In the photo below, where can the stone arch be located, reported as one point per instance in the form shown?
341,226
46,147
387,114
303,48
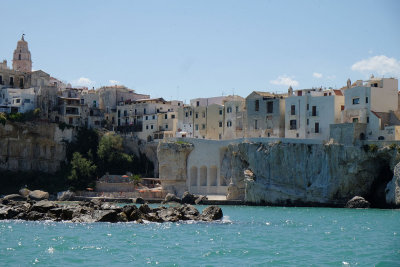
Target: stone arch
203,176
213,176
193,176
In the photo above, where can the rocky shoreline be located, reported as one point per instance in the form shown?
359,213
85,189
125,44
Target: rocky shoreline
98,211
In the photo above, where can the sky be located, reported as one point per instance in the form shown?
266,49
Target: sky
184,49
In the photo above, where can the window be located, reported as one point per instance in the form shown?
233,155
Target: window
257,105
355,120
197,115
154,117
166,116
19,56
366,100
270,107
173,116
151,127
186,114
204,114
342,107
293,125
197,103
166,126
237,109
367,119
125,113
308,121
229,110
308,106
144,111
1,79
356,101
147,117
119,113
229,124
220,124
27,101
316,127
190,113
12,81
18,100
255,124
147,127
220,136
314,111
203,126
292,110
220,112
196,126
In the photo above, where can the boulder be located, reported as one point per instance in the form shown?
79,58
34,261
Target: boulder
171,198
24,192
44,206
144,208
38,195
170,214
139,200
65,195
200,199
110,206
105,216
121,217
15,197
211,213
34,216
188,198
357,202
189,212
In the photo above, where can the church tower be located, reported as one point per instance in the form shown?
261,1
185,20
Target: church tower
22,57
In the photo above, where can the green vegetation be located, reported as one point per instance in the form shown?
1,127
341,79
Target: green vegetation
89,156
20,117
393,146
136,179
182,142
370,148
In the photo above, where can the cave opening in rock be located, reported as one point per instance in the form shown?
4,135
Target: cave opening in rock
377,195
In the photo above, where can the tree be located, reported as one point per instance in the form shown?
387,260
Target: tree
83,171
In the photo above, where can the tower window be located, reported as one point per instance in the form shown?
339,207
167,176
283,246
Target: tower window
19,56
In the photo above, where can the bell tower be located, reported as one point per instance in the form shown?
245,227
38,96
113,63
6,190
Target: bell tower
22,56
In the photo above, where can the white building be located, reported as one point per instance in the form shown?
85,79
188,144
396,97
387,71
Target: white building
374,102
17,100
309,113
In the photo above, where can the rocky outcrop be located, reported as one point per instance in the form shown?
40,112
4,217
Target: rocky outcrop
172,158
38,195
358,203
393,188
96,211
35,146
307,174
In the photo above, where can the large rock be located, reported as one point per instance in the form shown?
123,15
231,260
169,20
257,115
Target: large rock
211,213
24,192
65,195
44,206
15,197
188,198
357,202
38,195
171,198
393,188
139,200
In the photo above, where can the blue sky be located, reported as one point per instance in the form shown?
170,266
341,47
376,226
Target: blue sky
188,49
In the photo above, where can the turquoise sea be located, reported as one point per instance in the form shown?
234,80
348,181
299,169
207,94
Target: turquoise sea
264,236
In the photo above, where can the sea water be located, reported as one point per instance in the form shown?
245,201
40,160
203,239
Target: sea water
264,236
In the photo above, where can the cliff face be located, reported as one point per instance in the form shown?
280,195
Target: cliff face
32,146
279,173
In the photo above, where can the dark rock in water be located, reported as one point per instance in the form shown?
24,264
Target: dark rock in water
145,208
110,206
128,209
189,212
200,199
15,197
38,195
65,195
105,216
357,202
121,217
170,214
34,216
24,192
171,198
139,200
211,213
135,215
188,198
44,206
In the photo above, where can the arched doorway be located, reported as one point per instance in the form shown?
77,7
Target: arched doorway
203,176
213,176
193,176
